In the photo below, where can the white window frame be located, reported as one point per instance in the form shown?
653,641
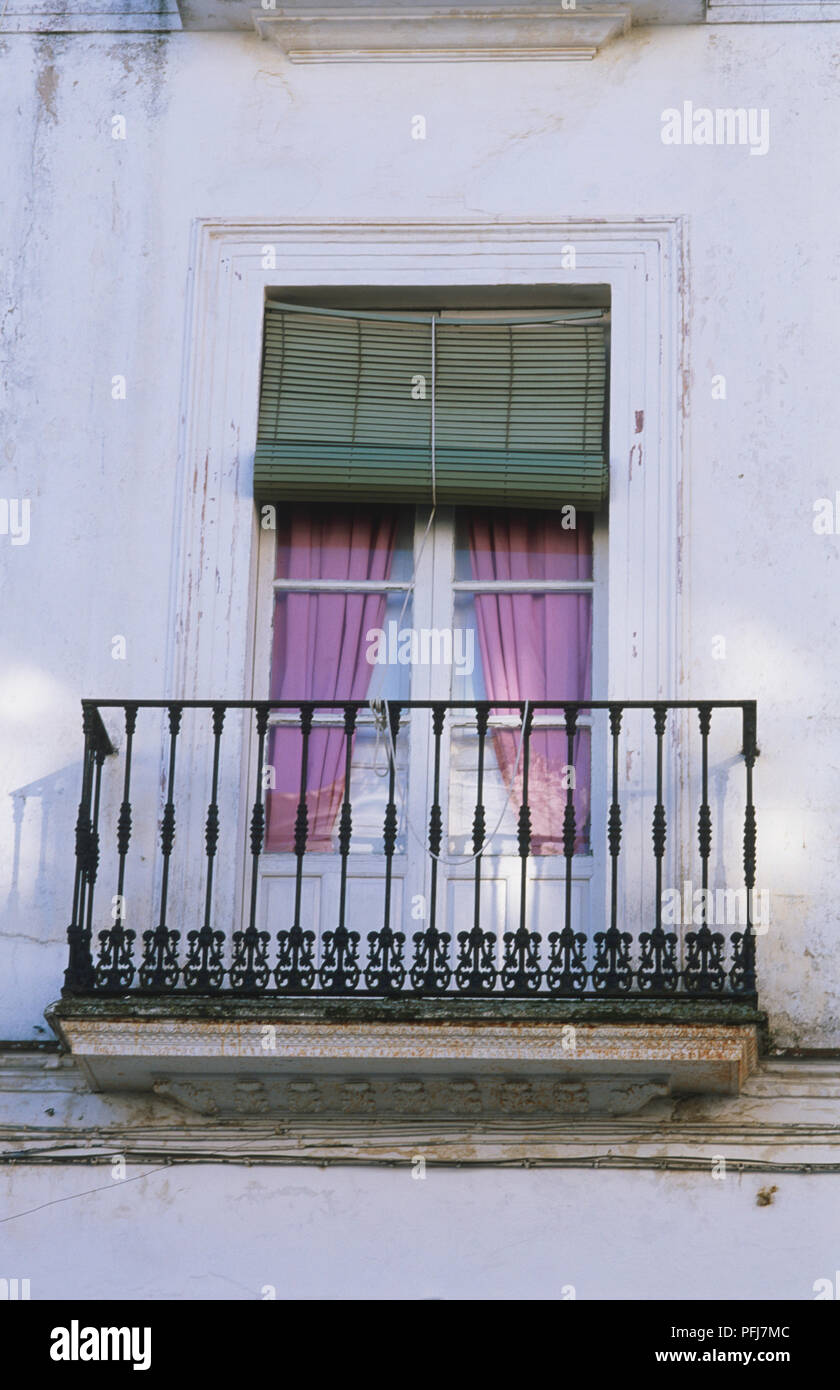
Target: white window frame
234,262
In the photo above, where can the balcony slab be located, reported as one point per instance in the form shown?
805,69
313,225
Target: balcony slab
221,1057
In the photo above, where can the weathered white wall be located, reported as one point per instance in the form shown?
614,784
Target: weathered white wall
94,266
208,1232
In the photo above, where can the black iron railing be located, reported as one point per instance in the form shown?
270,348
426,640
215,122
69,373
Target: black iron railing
296,959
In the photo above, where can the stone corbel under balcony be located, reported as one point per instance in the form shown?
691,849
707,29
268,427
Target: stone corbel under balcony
314,33
445,1058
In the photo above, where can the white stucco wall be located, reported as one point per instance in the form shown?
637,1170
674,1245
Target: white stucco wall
95,263
210,1232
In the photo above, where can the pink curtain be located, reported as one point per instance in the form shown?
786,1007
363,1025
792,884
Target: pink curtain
319,654
538,647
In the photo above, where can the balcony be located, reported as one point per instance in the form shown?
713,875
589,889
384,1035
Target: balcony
216,951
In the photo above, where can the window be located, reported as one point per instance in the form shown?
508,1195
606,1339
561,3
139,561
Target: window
367,602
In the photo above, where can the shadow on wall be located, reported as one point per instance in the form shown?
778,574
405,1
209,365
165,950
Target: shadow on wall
43,854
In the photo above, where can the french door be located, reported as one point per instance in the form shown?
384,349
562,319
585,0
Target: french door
448,606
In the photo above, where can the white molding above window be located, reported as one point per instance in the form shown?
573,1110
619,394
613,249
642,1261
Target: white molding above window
492,32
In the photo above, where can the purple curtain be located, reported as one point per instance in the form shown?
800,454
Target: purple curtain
538,647
319,654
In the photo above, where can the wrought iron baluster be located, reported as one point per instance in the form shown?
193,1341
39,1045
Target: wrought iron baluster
431,971
115,967
704,823
159,969
570,715
249,969
345,824
612,971
295,972
482,716
521,972
614,827
204,970
658,970
567,972
390,829
475,970
92,859
79,976
704,971
435,815
340,972
385,971
742,975
525,813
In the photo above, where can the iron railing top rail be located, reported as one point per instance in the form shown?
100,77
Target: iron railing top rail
494,703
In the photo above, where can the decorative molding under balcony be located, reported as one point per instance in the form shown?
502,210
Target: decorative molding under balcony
431,33
784,1120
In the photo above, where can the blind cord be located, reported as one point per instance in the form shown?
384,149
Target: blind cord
412,583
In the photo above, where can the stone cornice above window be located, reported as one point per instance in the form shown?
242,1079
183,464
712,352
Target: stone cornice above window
311,33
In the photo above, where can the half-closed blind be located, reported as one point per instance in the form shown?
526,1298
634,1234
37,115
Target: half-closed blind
346,410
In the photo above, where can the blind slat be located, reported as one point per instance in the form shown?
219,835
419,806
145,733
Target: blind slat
346,411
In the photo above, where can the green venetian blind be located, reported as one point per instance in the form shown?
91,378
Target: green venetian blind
404,408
